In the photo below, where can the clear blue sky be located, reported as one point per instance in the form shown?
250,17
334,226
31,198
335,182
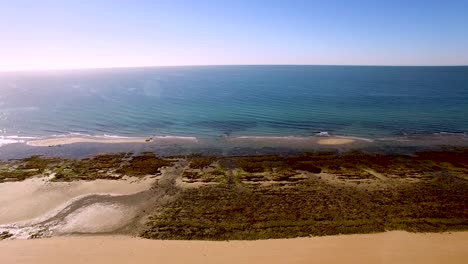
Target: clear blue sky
45,34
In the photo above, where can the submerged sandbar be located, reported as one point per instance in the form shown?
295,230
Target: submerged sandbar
57,141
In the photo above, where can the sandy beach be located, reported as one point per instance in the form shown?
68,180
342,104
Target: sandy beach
390,247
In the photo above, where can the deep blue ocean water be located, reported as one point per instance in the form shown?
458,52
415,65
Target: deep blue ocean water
220,101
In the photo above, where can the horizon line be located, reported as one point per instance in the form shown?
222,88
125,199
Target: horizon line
221,65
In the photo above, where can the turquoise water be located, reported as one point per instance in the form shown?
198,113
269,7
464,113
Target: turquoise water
231,101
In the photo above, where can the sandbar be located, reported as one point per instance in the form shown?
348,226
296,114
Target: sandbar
71,140
50,142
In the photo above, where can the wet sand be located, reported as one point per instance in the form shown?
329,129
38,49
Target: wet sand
390,247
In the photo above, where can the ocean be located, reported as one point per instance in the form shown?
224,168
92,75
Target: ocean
216,102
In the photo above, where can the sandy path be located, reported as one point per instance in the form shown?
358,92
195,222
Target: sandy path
390,247
21,201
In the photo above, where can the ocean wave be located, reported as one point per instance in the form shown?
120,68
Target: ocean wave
114,136
176,137
6,140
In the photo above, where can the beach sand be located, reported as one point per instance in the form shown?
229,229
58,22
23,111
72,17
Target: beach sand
390,247
335,141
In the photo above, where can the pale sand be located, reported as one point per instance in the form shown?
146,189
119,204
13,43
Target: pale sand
335,141
391,247
26,200
96,218
72,140
293,141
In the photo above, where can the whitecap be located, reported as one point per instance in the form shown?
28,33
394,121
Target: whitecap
322,134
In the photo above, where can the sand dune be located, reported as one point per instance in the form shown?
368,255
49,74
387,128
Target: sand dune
390,247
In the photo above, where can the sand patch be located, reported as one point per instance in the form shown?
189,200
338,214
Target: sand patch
390,247
29,199
335,141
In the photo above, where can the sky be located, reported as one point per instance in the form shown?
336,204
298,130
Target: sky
67,34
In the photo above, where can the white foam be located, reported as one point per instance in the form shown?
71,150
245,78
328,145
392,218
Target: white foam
114,136
20,137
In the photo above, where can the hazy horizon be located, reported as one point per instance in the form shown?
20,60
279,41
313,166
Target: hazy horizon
216,65
55,35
